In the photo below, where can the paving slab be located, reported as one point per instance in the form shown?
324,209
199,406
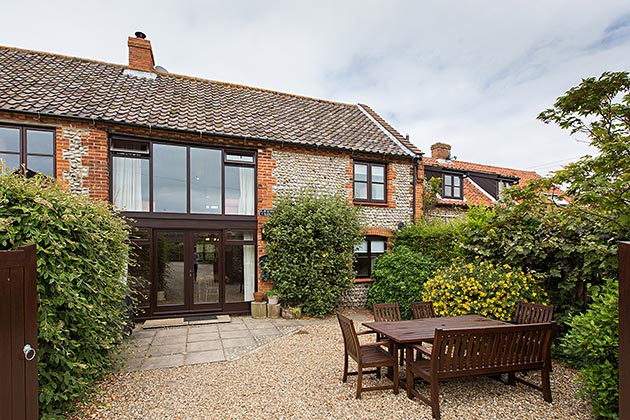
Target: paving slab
204,346
204,357
161,362
203,337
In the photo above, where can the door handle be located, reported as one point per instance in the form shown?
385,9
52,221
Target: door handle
29,352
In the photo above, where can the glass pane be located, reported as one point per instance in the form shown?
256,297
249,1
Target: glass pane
362,267
205,181
140,271
378,191
239,190
361,248
40,142
130,183
240,263
360,172
377,247
378,173
40,164
448,180
130,146
457,181
360,191
457,192
10,162
239,158
240,236
169,178
170,268
206,267
9,139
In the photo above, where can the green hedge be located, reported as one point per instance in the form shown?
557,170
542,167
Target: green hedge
81,261
399,276
592,345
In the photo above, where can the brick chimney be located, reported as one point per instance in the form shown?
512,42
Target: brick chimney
440,151
140,53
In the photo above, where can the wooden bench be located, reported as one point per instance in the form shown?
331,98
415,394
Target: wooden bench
489,351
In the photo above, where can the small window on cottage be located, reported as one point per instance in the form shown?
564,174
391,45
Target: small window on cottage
366,254
452,186
369,182
34,148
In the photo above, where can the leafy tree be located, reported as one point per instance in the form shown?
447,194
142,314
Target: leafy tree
310,244
436,239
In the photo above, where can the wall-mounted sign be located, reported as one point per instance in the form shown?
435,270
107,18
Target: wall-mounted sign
265,213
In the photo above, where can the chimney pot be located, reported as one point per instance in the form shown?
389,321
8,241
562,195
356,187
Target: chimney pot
441,151
140,53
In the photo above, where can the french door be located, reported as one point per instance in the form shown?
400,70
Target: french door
188,270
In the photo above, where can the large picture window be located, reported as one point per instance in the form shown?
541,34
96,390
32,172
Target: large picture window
34,148
166,178
366,254
369,182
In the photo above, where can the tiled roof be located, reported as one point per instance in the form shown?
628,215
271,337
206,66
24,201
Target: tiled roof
49,84
474,195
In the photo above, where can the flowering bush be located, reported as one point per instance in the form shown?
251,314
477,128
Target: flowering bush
481,288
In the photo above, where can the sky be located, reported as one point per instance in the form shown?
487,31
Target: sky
473,74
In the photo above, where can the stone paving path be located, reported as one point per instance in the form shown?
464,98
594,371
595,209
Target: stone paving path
158,348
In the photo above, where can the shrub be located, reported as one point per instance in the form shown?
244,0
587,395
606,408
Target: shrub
592,345
482,288
81,258
310,247
436,239
399,276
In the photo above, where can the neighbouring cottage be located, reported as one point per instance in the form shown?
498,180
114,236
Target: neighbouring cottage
465,184
197,165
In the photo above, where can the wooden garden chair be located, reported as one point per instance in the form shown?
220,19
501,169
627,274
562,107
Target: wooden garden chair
388,312
422,310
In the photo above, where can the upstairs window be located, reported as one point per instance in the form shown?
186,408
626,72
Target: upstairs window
369,182
366,254
34,148
452,186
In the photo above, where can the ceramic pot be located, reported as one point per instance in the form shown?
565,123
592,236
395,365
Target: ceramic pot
258,296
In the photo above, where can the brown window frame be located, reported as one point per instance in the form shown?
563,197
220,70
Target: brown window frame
369,182
451,195
148,155
370,255
23,152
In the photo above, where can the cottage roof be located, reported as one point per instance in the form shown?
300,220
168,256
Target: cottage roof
50,84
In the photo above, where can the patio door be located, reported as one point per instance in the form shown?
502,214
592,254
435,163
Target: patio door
188,270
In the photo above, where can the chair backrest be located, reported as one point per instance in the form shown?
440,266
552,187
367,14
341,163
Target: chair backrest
532,313
469,352
422,310
350,339
386,312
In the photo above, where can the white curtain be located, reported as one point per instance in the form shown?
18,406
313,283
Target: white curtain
128,184
246,201
249,265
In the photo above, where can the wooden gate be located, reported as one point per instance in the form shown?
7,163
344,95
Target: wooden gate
18,334
624,330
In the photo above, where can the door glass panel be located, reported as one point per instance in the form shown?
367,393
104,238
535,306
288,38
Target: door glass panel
206,267
140,271
170,268
205,181
240,267
39,142
169,178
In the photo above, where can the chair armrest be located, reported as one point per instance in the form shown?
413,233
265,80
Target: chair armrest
366,332
421,349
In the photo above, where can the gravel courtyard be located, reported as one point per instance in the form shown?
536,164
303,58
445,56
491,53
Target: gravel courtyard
299,377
